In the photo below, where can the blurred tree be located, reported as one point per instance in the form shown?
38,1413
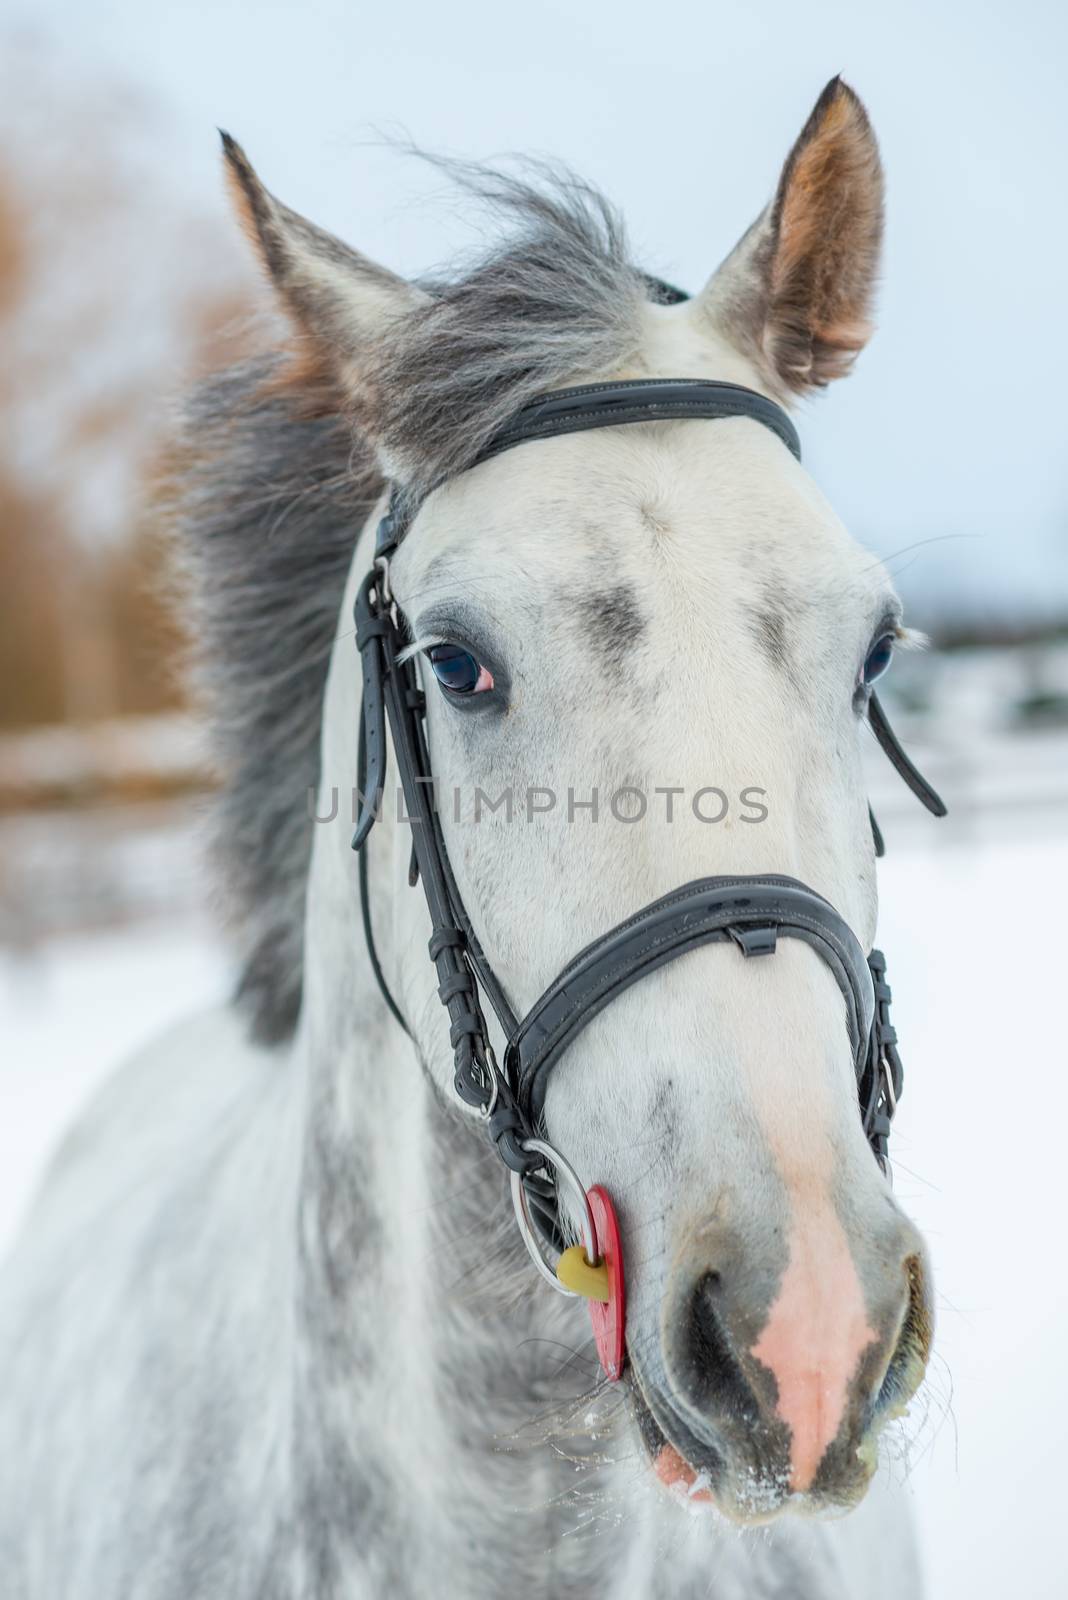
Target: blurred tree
32,546
111,294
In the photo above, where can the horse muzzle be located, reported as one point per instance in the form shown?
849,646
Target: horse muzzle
761,1408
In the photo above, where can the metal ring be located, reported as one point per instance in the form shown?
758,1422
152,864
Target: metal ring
529,1237
562,1169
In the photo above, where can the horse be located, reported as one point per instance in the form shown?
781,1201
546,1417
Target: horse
270,1330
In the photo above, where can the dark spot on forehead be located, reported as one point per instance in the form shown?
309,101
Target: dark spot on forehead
613,622
768,625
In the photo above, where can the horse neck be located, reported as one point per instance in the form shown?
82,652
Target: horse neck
365,1104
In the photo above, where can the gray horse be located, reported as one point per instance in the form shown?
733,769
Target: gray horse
269,1331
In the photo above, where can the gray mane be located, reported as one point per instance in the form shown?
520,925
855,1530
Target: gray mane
270,500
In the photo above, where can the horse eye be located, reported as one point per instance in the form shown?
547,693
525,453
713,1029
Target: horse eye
879,658
458,671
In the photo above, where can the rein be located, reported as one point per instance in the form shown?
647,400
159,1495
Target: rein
750,912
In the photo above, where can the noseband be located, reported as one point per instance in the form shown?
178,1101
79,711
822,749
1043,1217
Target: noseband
752,913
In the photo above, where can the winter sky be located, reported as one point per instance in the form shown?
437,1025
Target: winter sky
951,429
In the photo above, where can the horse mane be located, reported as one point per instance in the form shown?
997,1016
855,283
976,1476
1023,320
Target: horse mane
273,486
270,502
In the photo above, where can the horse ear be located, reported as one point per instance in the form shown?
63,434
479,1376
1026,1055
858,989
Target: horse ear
339,300
796,292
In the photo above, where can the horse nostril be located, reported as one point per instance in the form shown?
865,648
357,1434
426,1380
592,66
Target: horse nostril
716,1379
913,1348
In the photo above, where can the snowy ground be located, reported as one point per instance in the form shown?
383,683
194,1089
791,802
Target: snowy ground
974,938
973,926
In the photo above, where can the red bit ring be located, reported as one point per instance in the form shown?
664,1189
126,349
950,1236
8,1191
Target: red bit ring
609,1320
600,1229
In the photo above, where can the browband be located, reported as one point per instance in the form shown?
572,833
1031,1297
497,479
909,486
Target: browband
608,405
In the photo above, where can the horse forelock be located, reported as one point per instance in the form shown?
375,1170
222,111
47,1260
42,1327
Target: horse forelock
558,300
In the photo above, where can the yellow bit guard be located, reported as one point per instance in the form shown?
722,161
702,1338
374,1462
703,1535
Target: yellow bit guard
576,1274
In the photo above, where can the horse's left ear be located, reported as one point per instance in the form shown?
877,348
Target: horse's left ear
341,304
795,295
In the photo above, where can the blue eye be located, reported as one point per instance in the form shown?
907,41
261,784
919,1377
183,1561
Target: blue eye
457,670
879,658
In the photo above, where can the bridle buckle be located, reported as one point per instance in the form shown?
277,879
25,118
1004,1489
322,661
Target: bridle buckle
385,592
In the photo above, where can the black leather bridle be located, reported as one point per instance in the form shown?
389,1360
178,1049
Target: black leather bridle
753,913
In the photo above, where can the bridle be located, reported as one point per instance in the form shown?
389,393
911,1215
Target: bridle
752,913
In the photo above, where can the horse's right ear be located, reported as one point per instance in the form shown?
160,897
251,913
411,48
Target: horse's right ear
339,301
795,295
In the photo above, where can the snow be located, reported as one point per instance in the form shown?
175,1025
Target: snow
971,922
973,935
73,1008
